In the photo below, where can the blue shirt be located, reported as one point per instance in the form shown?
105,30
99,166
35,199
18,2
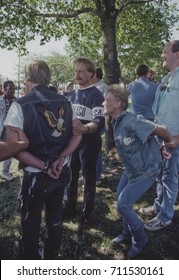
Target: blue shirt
87,104
166,105
138,149
142,93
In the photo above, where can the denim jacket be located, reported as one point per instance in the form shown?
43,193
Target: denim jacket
138,150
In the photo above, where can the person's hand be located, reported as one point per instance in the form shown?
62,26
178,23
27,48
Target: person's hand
173,143
56,168
166,154
78,127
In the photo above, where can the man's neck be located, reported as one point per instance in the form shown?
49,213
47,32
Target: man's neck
86,86
9,98
31,86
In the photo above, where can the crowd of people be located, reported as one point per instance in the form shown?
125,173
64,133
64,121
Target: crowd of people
56,136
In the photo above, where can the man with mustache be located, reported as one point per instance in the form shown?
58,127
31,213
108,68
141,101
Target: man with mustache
87,103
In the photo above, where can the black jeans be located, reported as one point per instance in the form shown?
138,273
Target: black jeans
39,190
85,158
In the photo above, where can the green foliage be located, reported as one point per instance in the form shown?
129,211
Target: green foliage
61,67
141,28
144,31
85,38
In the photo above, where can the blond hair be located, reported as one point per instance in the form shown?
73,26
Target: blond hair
90,66
120,94
38,72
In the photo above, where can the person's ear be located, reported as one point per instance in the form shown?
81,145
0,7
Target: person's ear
92,75
177,54
118,104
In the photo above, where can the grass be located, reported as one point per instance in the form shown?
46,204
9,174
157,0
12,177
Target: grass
95,242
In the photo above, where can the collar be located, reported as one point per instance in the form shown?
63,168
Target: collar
119,117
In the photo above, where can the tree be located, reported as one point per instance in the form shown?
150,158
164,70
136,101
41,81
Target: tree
60,65
96,18
61,68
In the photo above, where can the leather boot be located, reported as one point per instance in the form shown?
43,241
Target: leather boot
124,236
139,241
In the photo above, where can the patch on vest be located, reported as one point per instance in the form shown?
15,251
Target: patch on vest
127,141
53,122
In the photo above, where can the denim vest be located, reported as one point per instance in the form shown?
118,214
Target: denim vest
47,122
138,150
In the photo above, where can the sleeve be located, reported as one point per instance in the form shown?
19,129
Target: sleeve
143,128
98,109
15,116
73,112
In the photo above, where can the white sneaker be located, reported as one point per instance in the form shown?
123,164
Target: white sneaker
121,238
156,224
148,211
7,177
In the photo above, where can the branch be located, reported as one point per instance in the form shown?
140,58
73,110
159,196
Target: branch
74,14
124,4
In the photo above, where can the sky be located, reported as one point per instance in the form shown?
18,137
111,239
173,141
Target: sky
9,59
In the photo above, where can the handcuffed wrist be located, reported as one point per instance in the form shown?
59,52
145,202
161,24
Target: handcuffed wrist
46,167
61,156
162,146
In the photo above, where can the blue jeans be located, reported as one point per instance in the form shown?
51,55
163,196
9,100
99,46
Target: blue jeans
127,194
167,188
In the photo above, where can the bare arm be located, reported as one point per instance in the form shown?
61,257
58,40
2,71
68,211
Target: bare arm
11,148
57,166
29,159
170,141
162,132
23,156
8,150
79,128
72,145
173,143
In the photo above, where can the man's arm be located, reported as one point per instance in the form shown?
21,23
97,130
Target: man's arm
55,169
173,143
23,156
162,132
9,149
57,166
79,128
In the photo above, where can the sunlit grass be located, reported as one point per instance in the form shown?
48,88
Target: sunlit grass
95,242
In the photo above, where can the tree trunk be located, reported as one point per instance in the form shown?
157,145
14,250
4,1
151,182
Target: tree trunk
111,64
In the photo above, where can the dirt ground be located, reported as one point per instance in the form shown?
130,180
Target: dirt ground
95,242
